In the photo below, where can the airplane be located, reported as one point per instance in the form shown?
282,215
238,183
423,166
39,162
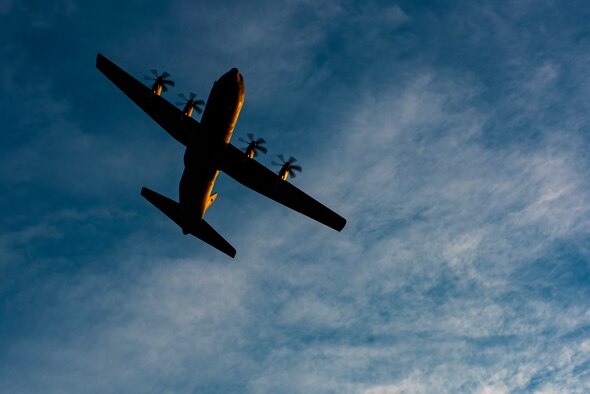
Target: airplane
208,151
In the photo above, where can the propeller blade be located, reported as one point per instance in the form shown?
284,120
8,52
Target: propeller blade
292,160
251,136
260,141
165,74
262,149
192,95
155,72
200,102
292,174
296,168
282,158
198,109
167,82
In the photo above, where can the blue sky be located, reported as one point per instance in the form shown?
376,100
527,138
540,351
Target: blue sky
452,135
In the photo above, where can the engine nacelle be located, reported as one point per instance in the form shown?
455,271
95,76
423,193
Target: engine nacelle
157,87
188,109
284,172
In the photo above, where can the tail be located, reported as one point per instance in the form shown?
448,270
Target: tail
199,228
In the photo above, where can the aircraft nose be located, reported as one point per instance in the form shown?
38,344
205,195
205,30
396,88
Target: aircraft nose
233,78
233,75
236,75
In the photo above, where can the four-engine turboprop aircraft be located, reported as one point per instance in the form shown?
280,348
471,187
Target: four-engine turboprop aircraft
208,151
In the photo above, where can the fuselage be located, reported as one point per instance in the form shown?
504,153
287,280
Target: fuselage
217,125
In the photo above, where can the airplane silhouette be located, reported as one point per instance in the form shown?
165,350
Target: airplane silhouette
208,151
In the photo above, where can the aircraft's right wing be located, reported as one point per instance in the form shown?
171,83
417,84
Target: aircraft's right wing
159,109
257,177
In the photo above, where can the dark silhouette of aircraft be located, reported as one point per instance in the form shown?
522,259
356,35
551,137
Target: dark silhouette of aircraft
208,151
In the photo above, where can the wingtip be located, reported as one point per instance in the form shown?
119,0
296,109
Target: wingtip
228,250
99,59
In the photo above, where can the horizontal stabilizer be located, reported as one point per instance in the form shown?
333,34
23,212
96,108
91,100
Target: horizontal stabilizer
201,230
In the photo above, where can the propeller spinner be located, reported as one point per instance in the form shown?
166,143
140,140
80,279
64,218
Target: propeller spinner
190,104
254,145
287,167
160,82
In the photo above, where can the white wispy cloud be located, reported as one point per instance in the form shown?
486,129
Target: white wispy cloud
396,298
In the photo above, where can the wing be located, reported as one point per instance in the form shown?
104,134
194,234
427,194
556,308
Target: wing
255,176
164,113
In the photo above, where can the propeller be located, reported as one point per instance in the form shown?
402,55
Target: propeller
254,145
190,103
160,79
287,167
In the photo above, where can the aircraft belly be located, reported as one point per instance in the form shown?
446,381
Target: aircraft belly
231,122
221,125
196,185
223,108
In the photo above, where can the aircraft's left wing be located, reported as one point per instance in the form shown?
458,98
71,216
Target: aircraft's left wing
164,113
255,176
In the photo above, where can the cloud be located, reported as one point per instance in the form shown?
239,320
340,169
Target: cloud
384,311
409,385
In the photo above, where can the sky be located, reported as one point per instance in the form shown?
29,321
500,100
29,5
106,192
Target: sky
452,135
